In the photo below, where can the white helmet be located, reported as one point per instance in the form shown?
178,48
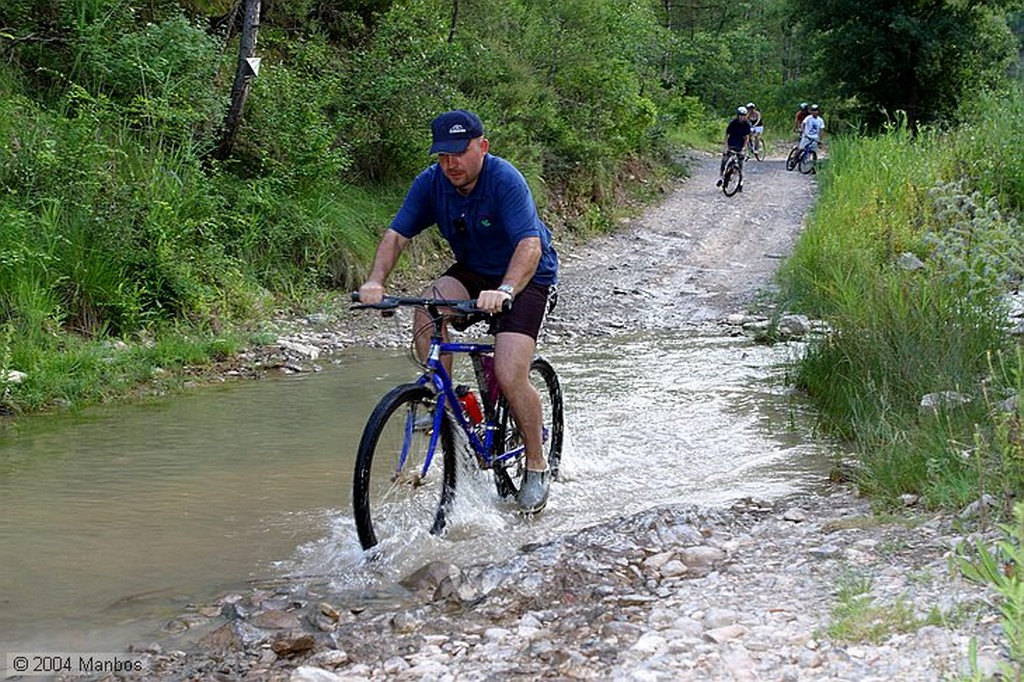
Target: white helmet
742,111
750,105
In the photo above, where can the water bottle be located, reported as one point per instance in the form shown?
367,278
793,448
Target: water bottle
470,405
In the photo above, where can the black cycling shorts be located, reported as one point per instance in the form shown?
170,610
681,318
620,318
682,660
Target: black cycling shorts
528,307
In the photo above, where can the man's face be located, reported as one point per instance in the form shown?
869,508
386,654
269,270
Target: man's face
462,170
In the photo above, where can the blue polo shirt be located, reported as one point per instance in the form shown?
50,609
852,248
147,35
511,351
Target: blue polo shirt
483,228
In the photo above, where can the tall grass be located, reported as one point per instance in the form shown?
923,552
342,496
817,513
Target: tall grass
903,331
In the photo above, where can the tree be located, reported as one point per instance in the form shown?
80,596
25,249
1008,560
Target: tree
918,56
243,74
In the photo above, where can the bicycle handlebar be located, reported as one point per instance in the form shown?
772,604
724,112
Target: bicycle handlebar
462,306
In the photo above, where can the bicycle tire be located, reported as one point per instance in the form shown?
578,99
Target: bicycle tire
808,162
391,495
733,179
793,158
509,472
758,148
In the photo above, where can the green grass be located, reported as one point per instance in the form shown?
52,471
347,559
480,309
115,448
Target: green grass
902,333
1000,565
858,617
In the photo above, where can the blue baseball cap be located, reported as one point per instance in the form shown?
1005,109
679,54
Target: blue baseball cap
453,130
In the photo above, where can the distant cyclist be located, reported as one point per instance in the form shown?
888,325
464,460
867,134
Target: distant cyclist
812,128
756,123
798,120
737,134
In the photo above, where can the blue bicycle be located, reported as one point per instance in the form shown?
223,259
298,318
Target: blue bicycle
805,158
400,484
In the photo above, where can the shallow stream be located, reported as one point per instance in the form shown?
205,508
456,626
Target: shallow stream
116,520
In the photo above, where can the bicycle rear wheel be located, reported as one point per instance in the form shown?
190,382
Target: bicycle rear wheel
793,158
732,180
405,475
509,469
807,163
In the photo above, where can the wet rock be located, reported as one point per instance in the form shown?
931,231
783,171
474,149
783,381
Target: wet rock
434,581
292,643
931,403
223,640
275,620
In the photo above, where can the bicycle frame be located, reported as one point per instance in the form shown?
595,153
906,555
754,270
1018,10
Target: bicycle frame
440,381
437,378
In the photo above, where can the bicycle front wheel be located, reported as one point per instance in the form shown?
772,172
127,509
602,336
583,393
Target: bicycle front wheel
793,158
405,474
732,180
807,163
510,459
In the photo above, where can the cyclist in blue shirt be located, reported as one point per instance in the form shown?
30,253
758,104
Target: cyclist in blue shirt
503,251
736,134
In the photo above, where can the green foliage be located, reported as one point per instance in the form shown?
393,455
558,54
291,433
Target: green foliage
881,57
1002,567
396,85
293,118
980,154
162,74
903,331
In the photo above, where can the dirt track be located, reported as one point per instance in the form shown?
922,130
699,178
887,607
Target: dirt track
697,256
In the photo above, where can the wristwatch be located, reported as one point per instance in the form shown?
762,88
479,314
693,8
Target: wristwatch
508,289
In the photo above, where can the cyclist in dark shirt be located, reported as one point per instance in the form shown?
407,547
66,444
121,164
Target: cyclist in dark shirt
736,134
503,251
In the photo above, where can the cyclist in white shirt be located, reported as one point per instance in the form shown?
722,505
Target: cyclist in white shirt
812,129
755,121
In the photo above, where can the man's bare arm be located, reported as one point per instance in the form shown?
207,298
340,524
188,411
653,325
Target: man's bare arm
519,273
390,248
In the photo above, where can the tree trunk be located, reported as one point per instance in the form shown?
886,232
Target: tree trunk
244,73
455,21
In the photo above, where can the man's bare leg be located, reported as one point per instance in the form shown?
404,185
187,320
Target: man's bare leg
513,353
445,288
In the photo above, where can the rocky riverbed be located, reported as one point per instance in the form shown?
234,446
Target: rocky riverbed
811,587
760,591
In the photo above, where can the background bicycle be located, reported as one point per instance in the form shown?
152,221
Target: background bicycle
423,436
805,158
755,145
